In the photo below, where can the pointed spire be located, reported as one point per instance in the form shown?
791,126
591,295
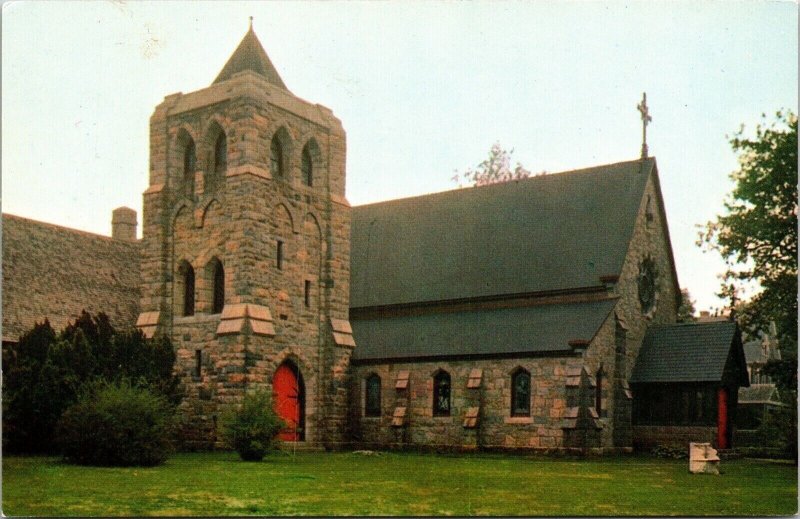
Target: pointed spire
250,55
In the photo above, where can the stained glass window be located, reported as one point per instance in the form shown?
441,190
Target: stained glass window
521,393
441,394
372,404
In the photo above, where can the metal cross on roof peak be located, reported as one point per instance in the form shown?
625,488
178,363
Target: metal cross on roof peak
646,119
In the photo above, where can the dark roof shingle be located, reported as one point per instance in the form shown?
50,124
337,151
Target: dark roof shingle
759,394
55,272
534,329
689,352
250,55
546,233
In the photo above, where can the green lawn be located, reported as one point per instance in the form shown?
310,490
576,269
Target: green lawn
397,484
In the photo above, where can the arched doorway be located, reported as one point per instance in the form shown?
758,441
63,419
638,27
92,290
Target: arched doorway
289,396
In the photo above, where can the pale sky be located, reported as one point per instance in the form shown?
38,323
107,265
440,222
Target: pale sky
422,89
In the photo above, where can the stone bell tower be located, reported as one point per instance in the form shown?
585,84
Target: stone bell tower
246,249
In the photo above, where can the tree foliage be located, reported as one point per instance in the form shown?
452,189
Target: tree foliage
45,372
686,310
758,239
250,428
117,424
496,168
759,232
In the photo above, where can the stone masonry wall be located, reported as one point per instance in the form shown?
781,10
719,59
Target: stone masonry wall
614,348
238,219
648,240
495,427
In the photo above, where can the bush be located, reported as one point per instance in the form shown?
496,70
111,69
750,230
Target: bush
670,452
116,424
45,372
250,428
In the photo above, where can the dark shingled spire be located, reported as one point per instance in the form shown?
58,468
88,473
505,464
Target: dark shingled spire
250,55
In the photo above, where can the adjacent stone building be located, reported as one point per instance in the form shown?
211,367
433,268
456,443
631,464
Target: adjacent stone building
523,303
504,316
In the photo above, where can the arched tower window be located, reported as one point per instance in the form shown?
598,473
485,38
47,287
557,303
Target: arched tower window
189,167
184,291
520,393
441,394
218,279
221,154
276,162
372,400
307,167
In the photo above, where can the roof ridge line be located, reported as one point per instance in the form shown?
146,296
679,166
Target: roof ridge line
69,229
508,182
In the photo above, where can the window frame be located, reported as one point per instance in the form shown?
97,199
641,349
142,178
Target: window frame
516,397
372,401
442,381
188,275
598,391
307,167
189,166
220,153
277,159
218,287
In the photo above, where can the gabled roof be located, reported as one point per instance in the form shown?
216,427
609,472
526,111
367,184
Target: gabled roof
250,55
691,352
502,331
55,272
759,394
546,233
755,354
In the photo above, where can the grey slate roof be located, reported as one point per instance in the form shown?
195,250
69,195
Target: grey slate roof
689,352
754,353
54,272
758,394
535,329
552,232
250,55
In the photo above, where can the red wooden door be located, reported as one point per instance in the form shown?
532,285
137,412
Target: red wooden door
287,394
722,418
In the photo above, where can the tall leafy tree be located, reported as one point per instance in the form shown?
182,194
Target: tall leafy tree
757,236
45,373
758,233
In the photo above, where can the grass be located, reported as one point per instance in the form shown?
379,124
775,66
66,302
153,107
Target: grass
397,484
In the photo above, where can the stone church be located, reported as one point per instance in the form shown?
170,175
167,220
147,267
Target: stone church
532,314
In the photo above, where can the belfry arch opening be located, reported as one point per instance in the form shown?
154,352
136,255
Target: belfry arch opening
289,401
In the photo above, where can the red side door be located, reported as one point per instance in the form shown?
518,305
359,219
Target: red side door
286,396
722,418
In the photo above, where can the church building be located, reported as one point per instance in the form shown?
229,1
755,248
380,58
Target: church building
532,314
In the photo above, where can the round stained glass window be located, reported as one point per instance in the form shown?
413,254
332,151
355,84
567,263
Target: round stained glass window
647,285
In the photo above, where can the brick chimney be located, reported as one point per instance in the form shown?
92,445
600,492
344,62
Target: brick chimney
123,224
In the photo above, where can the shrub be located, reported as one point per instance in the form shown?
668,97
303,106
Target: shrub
116,424
670,452
250,428
45,372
